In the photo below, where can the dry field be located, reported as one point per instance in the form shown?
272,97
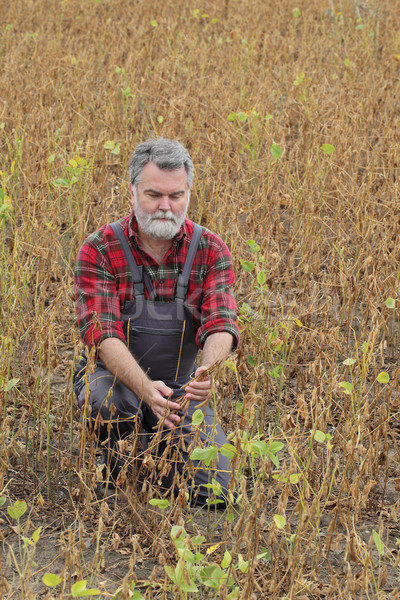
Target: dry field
291,111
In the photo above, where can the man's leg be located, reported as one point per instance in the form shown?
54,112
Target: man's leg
183,441
111,410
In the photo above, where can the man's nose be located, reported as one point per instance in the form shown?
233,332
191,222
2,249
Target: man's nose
164,203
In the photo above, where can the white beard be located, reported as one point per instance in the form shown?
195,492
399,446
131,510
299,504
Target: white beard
164,229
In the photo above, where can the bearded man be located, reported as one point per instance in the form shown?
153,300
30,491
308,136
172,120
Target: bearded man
151,290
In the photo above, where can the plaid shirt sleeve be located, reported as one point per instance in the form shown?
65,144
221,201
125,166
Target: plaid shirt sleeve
97,298
218,307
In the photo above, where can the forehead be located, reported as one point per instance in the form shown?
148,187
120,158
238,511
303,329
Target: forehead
163,180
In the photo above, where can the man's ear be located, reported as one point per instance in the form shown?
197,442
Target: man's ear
131,191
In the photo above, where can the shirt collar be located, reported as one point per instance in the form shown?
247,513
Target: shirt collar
133,231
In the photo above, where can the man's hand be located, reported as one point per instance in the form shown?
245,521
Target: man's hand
199,389
156,397
121,363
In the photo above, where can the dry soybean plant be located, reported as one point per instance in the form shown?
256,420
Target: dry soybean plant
291,114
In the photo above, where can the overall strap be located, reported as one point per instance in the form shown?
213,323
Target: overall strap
183,279
137,271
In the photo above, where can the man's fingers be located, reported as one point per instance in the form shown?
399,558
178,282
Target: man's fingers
172,405
162,388
200,385
201,371
171,420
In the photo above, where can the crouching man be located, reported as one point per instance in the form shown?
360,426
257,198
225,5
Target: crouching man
151,290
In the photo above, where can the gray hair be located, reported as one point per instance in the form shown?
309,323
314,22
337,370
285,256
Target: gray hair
165,154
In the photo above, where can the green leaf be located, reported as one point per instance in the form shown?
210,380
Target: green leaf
265,554
254,247
261,277
232,116
299,79
390,302
17,510
109,145
79,590
328,149
247,265
294,478
245,309
117,149
12,383
319,436
280,521
227,559
177,532
383,377
239,408
212,576
51,158
242,117
275,447
36,535
276,151
207,455
378,542
160,119
51,580
198,417
160,502
347,386
275,373
61,182
258,448
228,450
296,13
153,23
3,501
182,579
349,361
251,360
197,540
187,555
243,565
230,364
274,459
234,594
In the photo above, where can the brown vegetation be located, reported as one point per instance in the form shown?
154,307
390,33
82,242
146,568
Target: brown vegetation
291,116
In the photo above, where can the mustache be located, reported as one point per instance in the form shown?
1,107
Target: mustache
161,214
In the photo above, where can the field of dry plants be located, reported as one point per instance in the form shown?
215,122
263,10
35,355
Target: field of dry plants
291,112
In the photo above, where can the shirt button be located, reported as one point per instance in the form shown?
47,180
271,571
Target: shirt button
161,281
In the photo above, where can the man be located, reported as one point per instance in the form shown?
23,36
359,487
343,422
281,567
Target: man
151,290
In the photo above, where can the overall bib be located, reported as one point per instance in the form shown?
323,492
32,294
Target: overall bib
161,337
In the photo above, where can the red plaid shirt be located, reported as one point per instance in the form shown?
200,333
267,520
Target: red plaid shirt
103,282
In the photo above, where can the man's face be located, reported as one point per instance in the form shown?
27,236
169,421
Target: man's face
161,201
